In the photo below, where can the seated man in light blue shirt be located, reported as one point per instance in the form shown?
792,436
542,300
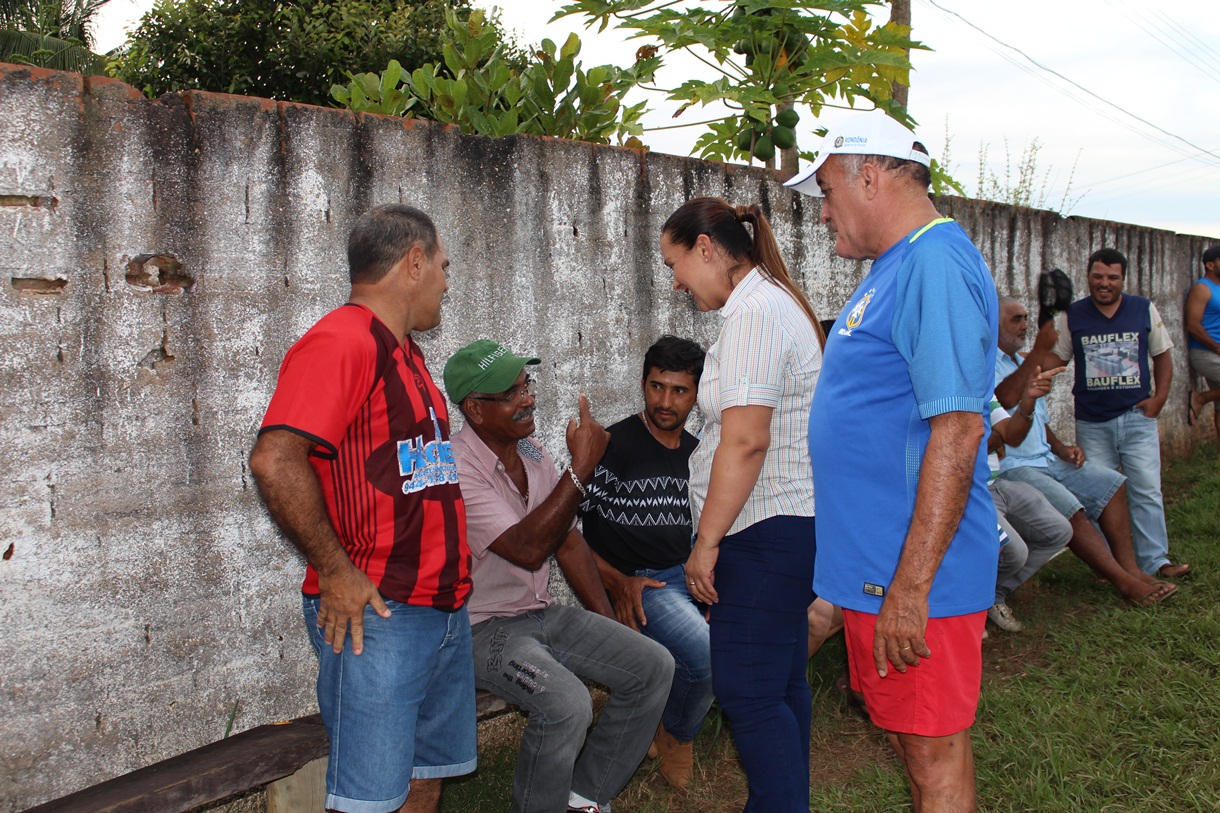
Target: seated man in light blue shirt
1078,490
1035,529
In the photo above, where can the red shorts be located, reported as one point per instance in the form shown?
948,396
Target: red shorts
935,699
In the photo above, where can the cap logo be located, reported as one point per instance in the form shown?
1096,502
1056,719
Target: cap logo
839,141
860,140
486,361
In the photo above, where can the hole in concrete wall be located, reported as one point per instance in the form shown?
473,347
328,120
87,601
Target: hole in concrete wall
32,201
159,273
8,552
155,357
34,285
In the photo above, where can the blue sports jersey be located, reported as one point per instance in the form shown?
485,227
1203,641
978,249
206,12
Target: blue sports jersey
917,339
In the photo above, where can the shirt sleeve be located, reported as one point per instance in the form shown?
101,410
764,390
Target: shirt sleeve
324,380
1158,338
488,513
942,331
998,413
1063,344
753,356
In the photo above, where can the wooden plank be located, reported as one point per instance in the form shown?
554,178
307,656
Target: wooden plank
251,759
303,792
247,760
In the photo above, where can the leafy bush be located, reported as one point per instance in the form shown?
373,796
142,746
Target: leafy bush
478,87
281,49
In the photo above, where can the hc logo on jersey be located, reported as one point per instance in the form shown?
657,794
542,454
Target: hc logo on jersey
426,464
856,316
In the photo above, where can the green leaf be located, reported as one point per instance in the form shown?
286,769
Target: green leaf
571,47
390,77
458,89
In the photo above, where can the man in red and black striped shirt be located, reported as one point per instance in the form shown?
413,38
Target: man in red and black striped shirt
354,462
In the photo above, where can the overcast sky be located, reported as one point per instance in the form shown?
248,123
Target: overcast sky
1132,120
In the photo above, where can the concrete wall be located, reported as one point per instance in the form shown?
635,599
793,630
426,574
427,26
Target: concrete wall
159,257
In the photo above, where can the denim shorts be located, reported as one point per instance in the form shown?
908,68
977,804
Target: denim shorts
1070,489
402,709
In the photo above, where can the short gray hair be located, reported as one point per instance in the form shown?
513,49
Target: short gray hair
902,168
383,235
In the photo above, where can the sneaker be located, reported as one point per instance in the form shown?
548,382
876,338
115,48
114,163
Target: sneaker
585,809
1002,617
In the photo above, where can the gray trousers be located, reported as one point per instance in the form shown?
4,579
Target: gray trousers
1036,532
536,661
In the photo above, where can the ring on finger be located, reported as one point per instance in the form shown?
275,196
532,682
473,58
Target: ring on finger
905,648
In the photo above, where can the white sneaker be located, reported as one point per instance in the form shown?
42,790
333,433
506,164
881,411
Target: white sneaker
1002,617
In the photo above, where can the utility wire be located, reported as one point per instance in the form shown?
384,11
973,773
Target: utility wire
1173,41
1133,173
1175,136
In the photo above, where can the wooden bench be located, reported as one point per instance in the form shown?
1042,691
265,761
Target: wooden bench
288,759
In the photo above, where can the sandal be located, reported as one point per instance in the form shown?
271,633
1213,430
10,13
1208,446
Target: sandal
1173,570
1159,594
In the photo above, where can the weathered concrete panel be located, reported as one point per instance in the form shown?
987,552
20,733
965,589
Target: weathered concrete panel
159,258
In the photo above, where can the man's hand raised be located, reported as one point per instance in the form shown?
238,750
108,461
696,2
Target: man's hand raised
586,441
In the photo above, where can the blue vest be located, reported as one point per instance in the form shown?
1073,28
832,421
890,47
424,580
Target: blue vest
1211,315
1111,355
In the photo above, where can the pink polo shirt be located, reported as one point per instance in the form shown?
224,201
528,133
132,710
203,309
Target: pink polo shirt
493,505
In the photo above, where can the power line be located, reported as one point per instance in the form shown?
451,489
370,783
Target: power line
1175,42
1175,136
1127,175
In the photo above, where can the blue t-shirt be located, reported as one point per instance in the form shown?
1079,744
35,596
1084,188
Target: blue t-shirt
917,339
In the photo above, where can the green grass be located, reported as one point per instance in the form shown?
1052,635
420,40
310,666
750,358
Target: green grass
1093,707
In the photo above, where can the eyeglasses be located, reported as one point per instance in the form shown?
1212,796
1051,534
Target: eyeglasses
529,388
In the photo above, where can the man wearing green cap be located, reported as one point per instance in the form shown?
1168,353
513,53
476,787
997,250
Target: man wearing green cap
527,649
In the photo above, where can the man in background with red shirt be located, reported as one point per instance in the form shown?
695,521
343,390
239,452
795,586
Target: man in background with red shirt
354,463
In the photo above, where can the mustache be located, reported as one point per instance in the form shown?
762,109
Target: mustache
525,412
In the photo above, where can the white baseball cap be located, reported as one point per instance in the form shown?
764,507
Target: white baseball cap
862,133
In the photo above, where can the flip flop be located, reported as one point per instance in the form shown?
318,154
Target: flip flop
1159,594
1173,570
1191,412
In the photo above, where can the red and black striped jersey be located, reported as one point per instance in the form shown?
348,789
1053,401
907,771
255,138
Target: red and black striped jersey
382,457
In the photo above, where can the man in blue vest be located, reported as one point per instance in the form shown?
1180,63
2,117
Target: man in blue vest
1123,371
1203,325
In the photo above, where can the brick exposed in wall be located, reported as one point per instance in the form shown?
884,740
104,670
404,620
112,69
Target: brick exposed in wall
183,245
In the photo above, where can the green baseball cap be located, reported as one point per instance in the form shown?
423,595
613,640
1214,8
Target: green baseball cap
482,366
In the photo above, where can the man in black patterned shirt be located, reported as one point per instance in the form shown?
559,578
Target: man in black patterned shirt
636,519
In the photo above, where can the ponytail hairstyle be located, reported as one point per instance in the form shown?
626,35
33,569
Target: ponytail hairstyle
725,225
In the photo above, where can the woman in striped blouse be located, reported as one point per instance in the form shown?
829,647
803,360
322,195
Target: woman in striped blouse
751,487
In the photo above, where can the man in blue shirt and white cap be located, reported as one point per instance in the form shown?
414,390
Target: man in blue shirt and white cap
907,540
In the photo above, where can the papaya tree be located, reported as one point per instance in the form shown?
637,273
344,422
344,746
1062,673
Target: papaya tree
767,61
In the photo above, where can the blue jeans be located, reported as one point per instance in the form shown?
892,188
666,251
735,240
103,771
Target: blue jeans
676,623
536,661
402,709
760,648
1131,443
